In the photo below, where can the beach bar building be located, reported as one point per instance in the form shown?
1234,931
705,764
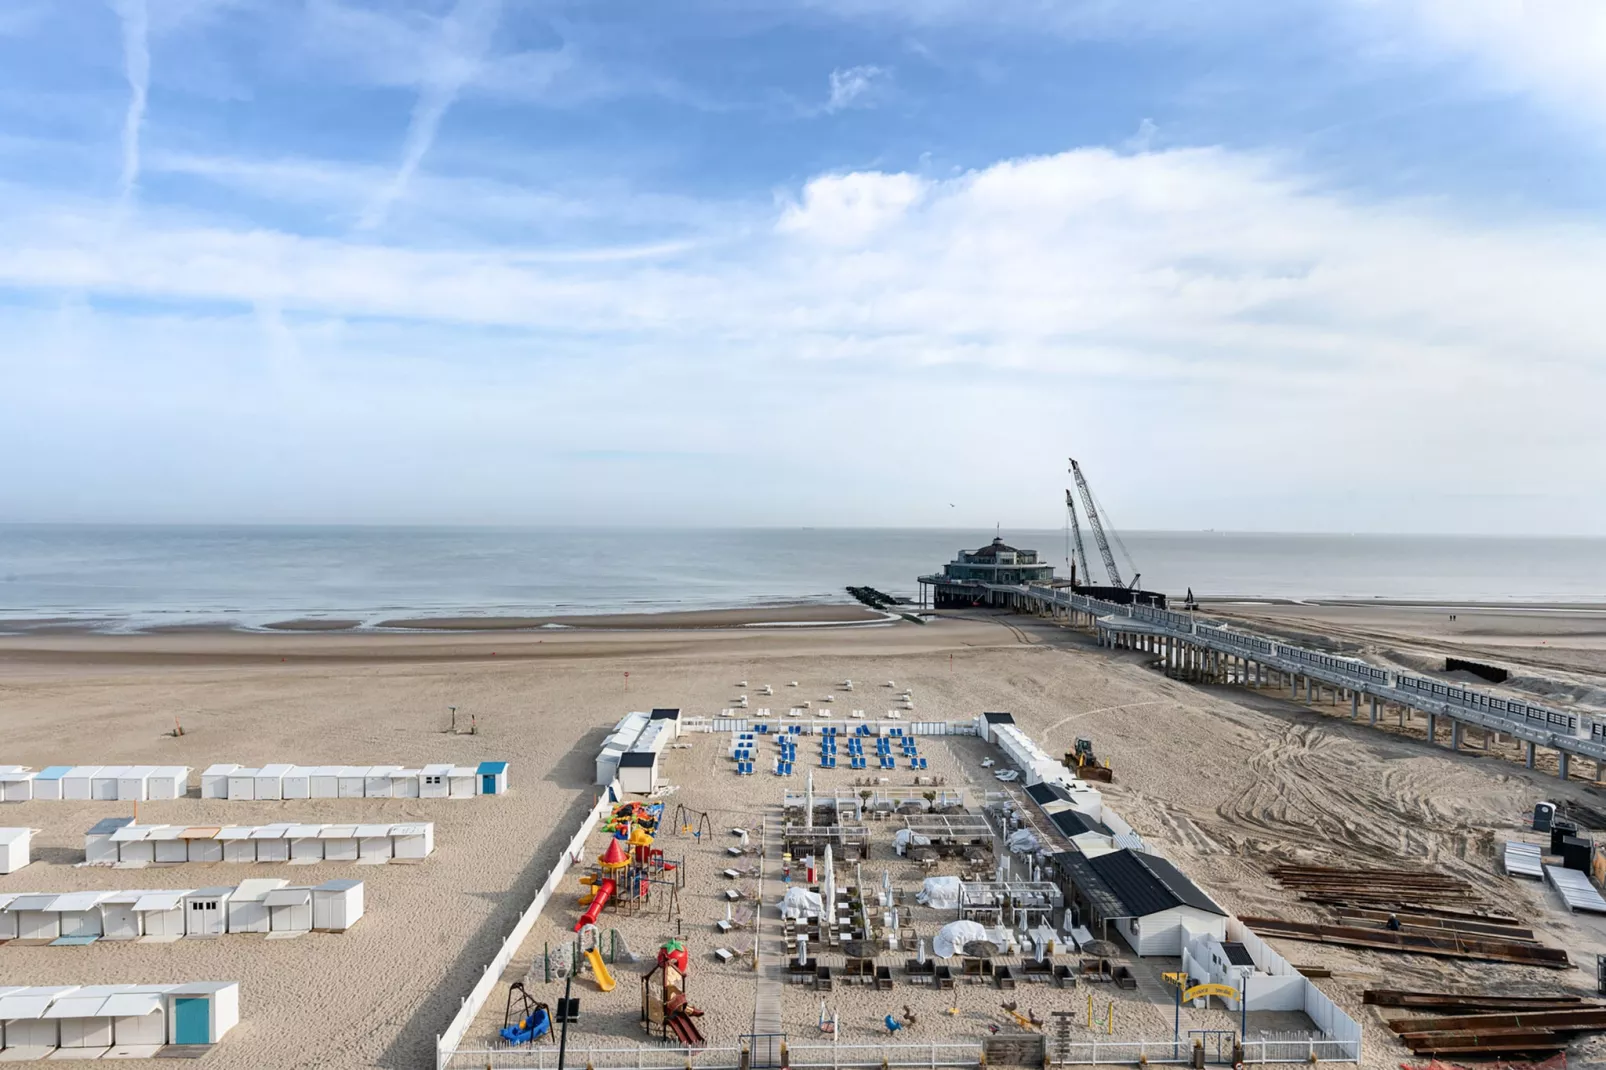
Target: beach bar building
14,849
1146,899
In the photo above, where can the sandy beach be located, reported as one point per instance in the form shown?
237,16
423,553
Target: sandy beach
1225,782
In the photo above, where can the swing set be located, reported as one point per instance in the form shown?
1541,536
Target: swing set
695,826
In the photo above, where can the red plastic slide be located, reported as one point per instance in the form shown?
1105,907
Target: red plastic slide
684,1028
605,891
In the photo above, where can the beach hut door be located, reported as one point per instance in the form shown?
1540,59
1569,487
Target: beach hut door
487,783
190,1020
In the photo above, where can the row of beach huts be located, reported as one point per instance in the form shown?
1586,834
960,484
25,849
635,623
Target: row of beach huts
260,905
118,841
135,783
113,1021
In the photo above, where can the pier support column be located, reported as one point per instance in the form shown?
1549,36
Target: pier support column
1563,764
1455,735
1293,685
1528,759
1354,704
1433,725
1374,709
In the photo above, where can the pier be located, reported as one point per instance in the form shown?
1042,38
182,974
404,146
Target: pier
1202,649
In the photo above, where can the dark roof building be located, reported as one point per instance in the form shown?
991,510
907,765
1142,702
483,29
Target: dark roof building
1130,890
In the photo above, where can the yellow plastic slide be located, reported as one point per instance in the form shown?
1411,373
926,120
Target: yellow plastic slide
599,970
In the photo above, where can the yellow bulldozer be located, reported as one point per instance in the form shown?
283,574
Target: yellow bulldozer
1086,763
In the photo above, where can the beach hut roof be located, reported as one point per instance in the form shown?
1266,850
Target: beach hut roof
303,832
409,830
338,832
131,833
201,832
131,1005
287,897
13,835
365,831
235,832
108,825
78,901
338,886
107,771
83,770
437,770
270,832
16,775
29,1003
384,770
276,769
221,769
215,892
126,896
77,1005
140,771
33,901
462,770
159,901
492,767
199,988
256,888
54,772
355,770
172,771
167,832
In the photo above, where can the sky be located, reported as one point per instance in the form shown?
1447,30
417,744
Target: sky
1319,265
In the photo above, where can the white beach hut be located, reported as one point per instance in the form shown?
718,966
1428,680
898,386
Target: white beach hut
79,913
297,783
131,784
247,911
493,778
243,784
404,783
22,1013
171,847
168,782
118,918
374,843
75,782
325,781
202,843
206,911
16,785
377,784
162,914
99,848
336,905
215,780
8,919
463,782
340,843
270,781
412,841
433,782
289,910
305,846
36,916
47,785
271,844
353,781
79,1022
104,783
133,845
202,1012
138,1023
14,844
237,843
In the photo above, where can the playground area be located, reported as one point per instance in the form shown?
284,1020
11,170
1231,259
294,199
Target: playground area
699,918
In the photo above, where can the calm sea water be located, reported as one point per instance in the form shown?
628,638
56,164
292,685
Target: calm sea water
132,577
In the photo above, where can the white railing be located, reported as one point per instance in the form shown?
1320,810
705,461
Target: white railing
447,1043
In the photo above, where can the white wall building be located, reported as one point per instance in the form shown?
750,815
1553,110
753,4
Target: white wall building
14,849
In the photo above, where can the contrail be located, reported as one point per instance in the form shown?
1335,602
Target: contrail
465,35
137,68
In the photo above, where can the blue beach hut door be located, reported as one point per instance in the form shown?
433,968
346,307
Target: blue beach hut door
487,783
191,1020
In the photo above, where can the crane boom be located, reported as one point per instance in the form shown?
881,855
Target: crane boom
1098,527
1079,562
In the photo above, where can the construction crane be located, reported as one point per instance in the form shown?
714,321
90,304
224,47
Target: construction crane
1098,528
1079,561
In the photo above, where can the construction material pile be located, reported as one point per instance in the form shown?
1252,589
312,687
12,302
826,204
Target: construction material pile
1406,911
1501,1025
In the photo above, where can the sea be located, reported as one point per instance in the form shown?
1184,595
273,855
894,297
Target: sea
131,578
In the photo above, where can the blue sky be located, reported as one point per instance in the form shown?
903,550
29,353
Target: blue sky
1323,265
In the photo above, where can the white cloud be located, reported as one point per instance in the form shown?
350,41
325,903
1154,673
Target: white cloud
1244,318
1551,50
855,87
452,62
137,69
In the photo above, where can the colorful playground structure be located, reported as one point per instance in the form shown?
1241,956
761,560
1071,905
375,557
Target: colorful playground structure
665,1013
629,871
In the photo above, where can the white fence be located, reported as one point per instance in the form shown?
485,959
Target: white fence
447,1043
